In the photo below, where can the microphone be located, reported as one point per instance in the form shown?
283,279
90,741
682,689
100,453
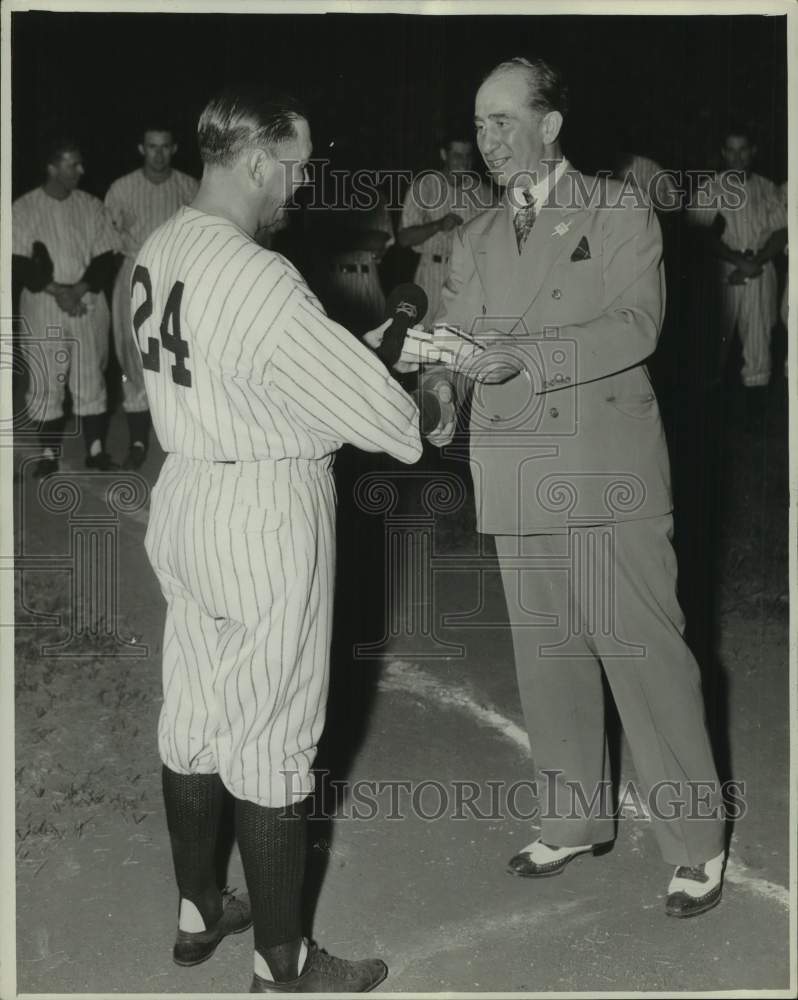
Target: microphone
407,306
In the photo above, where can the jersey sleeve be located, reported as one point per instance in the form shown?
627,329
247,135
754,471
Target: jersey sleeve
104,236
384,223
413,213
338,387
118,216
704,205
21,237
777,208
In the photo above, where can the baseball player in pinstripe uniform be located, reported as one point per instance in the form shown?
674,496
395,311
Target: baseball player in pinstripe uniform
138,203
353,285
436,203
252,389
747,238
62,254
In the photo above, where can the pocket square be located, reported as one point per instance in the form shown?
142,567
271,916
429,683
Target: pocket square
582,251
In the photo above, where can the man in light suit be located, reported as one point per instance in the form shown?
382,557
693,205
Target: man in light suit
564,287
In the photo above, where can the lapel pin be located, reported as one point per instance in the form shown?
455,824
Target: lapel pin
561,229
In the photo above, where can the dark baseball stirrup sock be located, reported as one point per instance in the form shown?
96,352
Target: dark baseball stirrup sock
272,843
193,810
51,433
94,425
138,425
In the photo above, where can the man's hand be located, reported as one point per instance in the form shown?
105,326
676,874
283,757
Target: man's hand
483,359
478,358
444,432
451,221
750,268
405,363
68,298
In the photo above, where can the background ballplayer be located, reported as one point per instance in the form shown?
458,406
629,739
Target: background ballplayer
62,247
138,203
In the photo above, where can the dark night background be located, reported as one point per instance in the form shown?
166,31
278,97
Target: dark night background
660,85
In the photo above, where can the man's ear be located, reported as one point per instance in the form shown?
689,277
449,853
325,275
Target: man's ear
259,166
442,154
141,148
551,125
174,148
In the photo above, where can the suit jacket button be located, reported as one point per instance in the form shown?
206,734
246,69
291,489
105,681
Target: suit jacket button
484,310
610,399
495,418
554,411
556,294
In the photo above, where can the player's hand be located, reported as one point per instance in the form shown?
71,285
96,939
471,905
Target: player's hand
374,340
444,432
67,299
750,268
451,221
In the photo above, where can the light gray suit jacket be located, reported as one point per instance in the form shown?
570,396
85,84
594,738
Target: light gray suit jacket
576,438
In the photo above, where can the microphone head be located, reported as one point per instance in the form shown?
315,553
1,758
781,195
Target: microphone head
407,300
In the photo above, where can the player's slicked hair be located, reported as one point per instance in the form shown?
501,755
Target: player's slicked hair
741,129
242,117
464,135
55,148
156,127
548,91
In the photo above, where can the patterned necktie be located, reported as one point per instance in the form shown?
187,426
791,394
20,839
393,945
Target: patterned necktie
524,220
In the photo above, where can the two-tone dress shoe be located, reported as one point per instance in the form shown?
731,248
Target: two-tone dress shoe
323,973
695,889
539,860
193,947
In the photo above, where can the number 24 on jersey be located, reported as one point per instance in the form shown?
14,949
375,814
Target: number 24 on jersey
169,329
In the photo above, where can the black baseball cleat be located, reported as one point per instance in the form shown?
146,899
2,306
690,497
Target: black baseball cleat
323,973
45,467
695,889
135,457
191,948
539,860
102,461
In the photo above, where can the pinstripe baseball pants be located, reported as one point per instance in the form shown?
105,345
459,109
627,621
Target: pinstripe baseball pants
61,351
245,557
751,310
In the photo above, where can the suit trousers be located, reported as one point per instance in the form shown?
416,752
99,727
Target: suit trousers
598,598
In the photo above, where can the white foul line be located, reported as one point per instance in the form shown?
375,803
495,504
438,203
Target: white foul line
409,678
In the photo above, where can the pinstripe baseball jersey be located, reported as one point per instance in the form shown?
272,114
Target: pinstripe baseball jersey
751,308
138,206
762,213
74,230
241,363
430,197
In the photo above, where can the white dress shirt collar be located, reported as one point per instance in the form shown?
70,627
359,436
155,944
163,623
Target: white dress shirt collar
539,191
